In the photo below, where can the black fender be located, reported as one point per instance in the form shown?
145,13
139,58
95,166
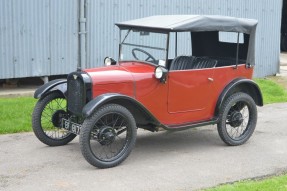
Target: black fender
58,84
240,85
141,114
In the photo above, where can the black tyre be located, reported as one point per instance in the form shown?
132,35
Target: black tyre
238,118
46,120
108,136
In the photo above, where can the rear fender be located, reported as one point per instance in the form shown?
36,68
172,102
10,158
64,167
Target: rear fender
240,85
140,113
54,85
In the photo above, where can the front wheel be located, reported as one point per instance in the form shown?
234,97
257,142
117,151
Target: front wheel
238,118
47,118
108,136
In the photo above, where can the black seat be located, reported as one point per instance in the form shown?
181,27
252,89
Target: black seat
182,63
192,62
203,62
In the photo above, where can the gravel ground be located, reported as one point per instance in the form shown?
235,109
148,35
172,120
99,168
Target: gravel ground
185,160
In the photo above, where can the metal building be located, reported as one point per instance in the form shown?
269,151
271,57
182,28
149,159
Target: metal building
41,37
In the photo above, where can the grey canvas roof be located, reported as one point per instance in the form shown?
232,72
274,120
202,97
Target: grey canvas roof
197,23
194,23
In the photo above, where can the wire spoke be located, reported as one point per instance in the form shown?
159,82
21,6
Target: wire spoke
110,140
48,112
237,120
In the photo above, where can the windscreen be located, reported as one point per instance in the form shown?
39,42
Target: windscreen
143,46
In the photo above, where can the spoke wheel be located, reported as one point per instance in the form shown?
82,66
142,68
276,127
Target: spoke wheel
108,136
47,117
238,119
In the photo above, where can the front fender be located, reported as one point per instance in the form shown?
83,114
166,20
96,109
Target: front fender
59,84
140,113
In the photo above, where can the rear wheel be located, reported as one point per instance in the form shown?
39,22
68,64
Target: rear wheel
47,118
238,118
108,136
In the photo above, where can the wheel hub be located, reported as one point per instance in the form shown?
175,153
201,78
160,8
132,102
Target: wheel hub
106,135
236,119
57,118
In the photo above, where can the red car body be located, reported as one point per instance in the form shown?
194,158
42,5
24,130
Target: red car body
156,83
170,102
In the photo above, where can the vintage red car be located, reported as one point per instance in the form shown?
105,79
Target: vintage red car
173,72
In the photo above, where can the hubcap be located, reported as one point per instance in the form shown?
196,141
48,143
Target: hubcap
236,119
57,118
106,135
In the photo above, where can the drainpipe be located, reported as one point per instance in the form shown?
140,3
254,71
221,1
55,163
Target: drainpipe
82,33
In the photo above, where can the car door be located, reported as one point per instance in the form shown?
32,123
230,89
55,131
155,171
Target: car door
189,90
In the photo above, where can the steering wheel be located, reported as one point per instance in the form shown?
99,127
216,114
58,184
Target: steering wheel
149,56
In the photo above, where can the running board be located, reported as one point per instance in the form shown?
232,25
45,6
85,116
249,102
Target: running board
189,125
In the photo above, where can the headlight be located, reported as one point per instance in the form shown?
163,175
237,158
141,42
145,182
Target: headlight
158,72
109,61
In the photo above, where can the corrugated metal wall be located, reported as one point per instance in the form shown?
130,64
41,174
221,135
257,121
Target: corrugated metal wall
6,40
64,43
103,35
40,37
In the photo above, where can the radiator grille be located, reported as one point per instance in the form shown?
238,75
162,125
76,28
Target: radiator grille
76,94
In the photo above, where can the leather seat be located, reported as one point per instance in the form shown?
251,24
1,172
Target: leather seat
192,62
182,63
204,63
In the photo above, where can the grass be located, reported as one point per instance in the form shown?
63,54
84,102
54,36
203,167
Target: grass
272,91
277,183
15,114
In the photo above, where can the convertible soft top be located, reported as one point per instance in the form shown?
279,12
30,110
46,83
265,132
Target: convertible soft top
195,23
198,23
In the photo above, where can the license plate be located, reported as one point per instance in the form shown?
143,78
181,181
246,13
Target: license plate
71,126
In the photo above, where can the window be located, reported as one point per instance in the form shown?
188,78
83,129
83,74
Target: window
179,44
231,37
143,46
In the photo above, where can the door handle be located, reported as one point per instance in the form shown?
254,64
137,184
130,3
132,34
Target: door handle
210,79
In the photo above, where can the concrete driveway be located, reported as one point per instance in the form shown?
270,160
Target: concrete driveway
185,160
